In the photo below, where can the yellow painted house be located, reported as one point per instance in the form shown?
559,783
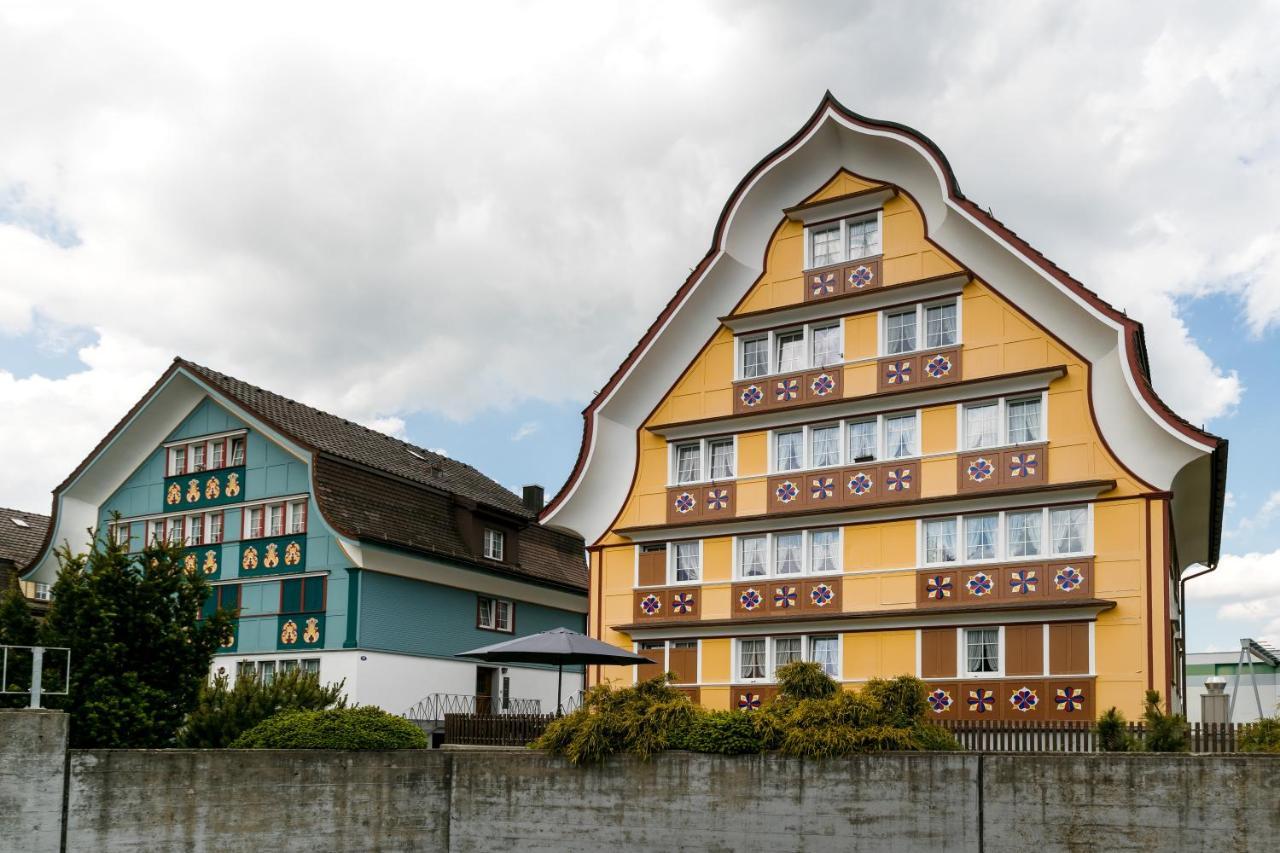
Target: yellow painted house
878,430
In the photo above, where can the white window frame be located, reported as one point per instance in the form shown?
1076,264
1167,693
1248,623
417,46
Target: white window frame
491,537
806,555
492,623
704,460
1002,538
286,519
671,563
1002,421
806,449
42,591
772,368
882,326
293,510
844,238
771,662
962,653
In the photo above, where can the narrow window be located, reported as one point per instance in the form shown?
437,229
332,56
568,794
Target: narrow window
864,238
752,659
195,530
155,531
266,671
900,332
940,325
755,357
256,522
503,615
826,346
824,547
217,451
825,245
1024,420
1024,532
980,533
178,460
982,650
721,452
824,446
862,441
197,457
298,517
940,540
826,651
1067,529
981,425
484,613
790,350
215,528
687,566
900,436
785,650
788,553
44,592
494,546
237,451
688,463
788,452
120,533
752,557
277,519
175,531
311,665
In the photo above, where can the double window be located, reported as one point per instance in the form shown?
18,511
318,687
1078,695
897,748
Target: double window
791,553
201,528
205,454
850,239
758,658
788,350
1048,532
1004,421
925,326
495,614
275,519
849,442
699,461
266,670
303,595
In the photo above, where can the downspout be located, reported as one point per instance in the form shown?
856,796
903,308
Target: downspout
1217,487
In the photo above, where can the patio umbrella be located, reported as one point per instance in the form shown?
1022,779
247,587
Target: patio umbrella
558,646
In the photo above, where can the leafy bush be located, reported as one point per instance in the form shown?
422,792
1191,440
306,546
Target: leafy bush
223,713
337,728
641,720
724,733
931,737
1112,733
1263,736
1164,732
805,680
901,700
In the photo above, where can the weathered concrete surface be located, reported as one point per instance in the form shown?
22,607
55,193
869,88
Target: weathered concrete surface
1130,802
258,800
682,801
33,749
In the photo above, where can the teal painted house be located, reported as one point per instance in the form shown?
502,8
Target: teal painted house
342,550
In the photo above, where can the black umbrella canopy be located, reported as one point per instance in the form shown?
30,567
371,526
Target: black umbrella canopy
557,646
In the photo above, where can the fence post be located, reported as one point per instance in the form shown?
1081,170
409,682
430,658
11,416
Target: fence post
37,672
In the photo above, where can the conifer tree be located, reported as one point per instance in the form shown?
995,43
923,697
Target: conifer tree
17,628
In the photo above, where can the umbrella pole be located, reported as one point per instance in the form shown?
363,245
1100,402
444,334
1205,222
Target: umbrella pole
559,679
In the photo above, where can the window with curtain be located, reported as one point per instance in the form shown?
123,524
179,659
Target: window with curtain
982,650
788,553
826,345
864,238
790,349
1067,529
980,536
721,452
788,450
1024,420
1024,532
687,562
752,556
755,357
785,650
940,325
940,540
752,660
824,547
900,436
824,446
825,245
826,652
981,425
900,332
862,441
688,463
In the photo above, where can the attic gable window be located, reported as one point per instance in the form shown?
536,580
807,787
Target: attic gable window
192,456
850,239
494,544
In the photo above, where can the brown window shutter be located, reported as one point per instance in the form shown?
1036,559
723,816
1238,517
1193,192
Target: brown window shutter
654,650
938,653
653,567
1024,649
1069,648
684,663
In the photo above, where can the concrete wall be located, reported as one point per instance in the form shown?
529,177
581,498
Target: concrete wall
480,800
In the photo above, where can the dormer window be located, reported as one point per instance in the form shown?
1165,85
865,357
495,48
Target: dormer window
494,544
192,456
848,239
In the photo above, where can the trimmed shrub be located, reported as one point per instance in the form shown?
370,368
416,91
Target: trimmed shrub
1262,736
337,728
1164,732
805,680
931,737
724,733
1112,733
223,713
901,700
641,720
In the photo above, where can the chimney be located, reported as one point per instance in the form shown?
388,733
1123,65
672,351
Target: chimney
534,498
1214,703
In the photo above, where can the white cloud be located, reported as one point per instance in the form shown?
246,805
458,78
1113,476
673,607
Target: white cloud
1245,592
1260,520
525,430
391,426
334,212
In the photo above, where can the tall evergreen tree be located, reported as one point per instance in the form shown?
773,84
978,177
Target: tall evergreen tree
140,650
17,628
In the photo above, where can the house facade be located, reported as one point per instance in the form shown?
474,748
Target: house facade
21,535
878,430
344,551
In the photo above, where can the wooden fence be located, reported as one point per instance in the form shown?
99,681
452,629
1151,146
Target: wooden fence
494,729
1073,736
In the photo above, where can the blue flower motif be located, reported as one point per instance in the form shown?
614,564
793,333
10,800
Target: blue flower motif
981,470
822,488
685,503
822,385
1024,699
651,604
938,366
822,284
717,499
1022,465
898,373
860,277
821,595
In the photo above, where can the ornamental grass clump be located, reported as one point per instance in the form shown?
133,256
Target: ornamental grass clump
1164,732
724,733
1113,734
641,720
1262,736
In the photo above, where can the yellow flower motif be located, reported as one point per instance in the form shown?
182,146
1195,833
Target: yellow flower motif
250,559
289,633
189,564
210,562
230,640
233,485
174,495
312,632
193,491
211,489
292,554
272,559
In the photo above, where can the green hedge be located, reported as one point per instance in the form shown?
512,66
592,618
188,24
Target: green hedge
723,732
337,728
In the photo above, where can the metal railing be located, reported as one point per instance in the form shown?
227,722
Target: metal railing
33,684
434,707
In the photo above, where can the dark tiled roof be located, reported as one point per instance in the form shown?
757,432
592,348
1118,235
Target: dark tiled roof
21,535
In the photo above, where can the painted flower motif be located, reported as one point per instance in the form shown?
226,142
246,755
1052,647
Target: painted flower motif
860,277
193,490
982,701
898,480
717,499
685,503
822,284
230,640
938,587
748,701
821,488
751,396
786,390
784,597
822,385
682,603
1023,582
272,558
289,633
233,485
1068,578
860,484
939,701
173,495
292,554
651,604
786,492
1024,699
898,373
750,599
1022,465
189,564
821,595
981,470
250,559
312,632
212,489
938,366
979,585
210,566
1069,699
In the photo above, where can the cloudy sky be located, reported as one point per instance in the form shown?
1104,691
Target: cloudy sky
452,222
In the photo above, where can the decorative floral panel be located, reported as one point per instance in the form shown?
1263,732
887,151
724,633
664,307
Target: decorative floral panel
279,555
821,595
203,489
751,697
205,560
300,631
692,503
939,367
980,584
1027,700
942,701
231,644
667,603
789,389
842,279
754,598
1023,467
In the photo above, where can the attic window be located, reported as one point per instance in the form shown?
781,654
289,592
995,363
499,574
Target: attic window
20,522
